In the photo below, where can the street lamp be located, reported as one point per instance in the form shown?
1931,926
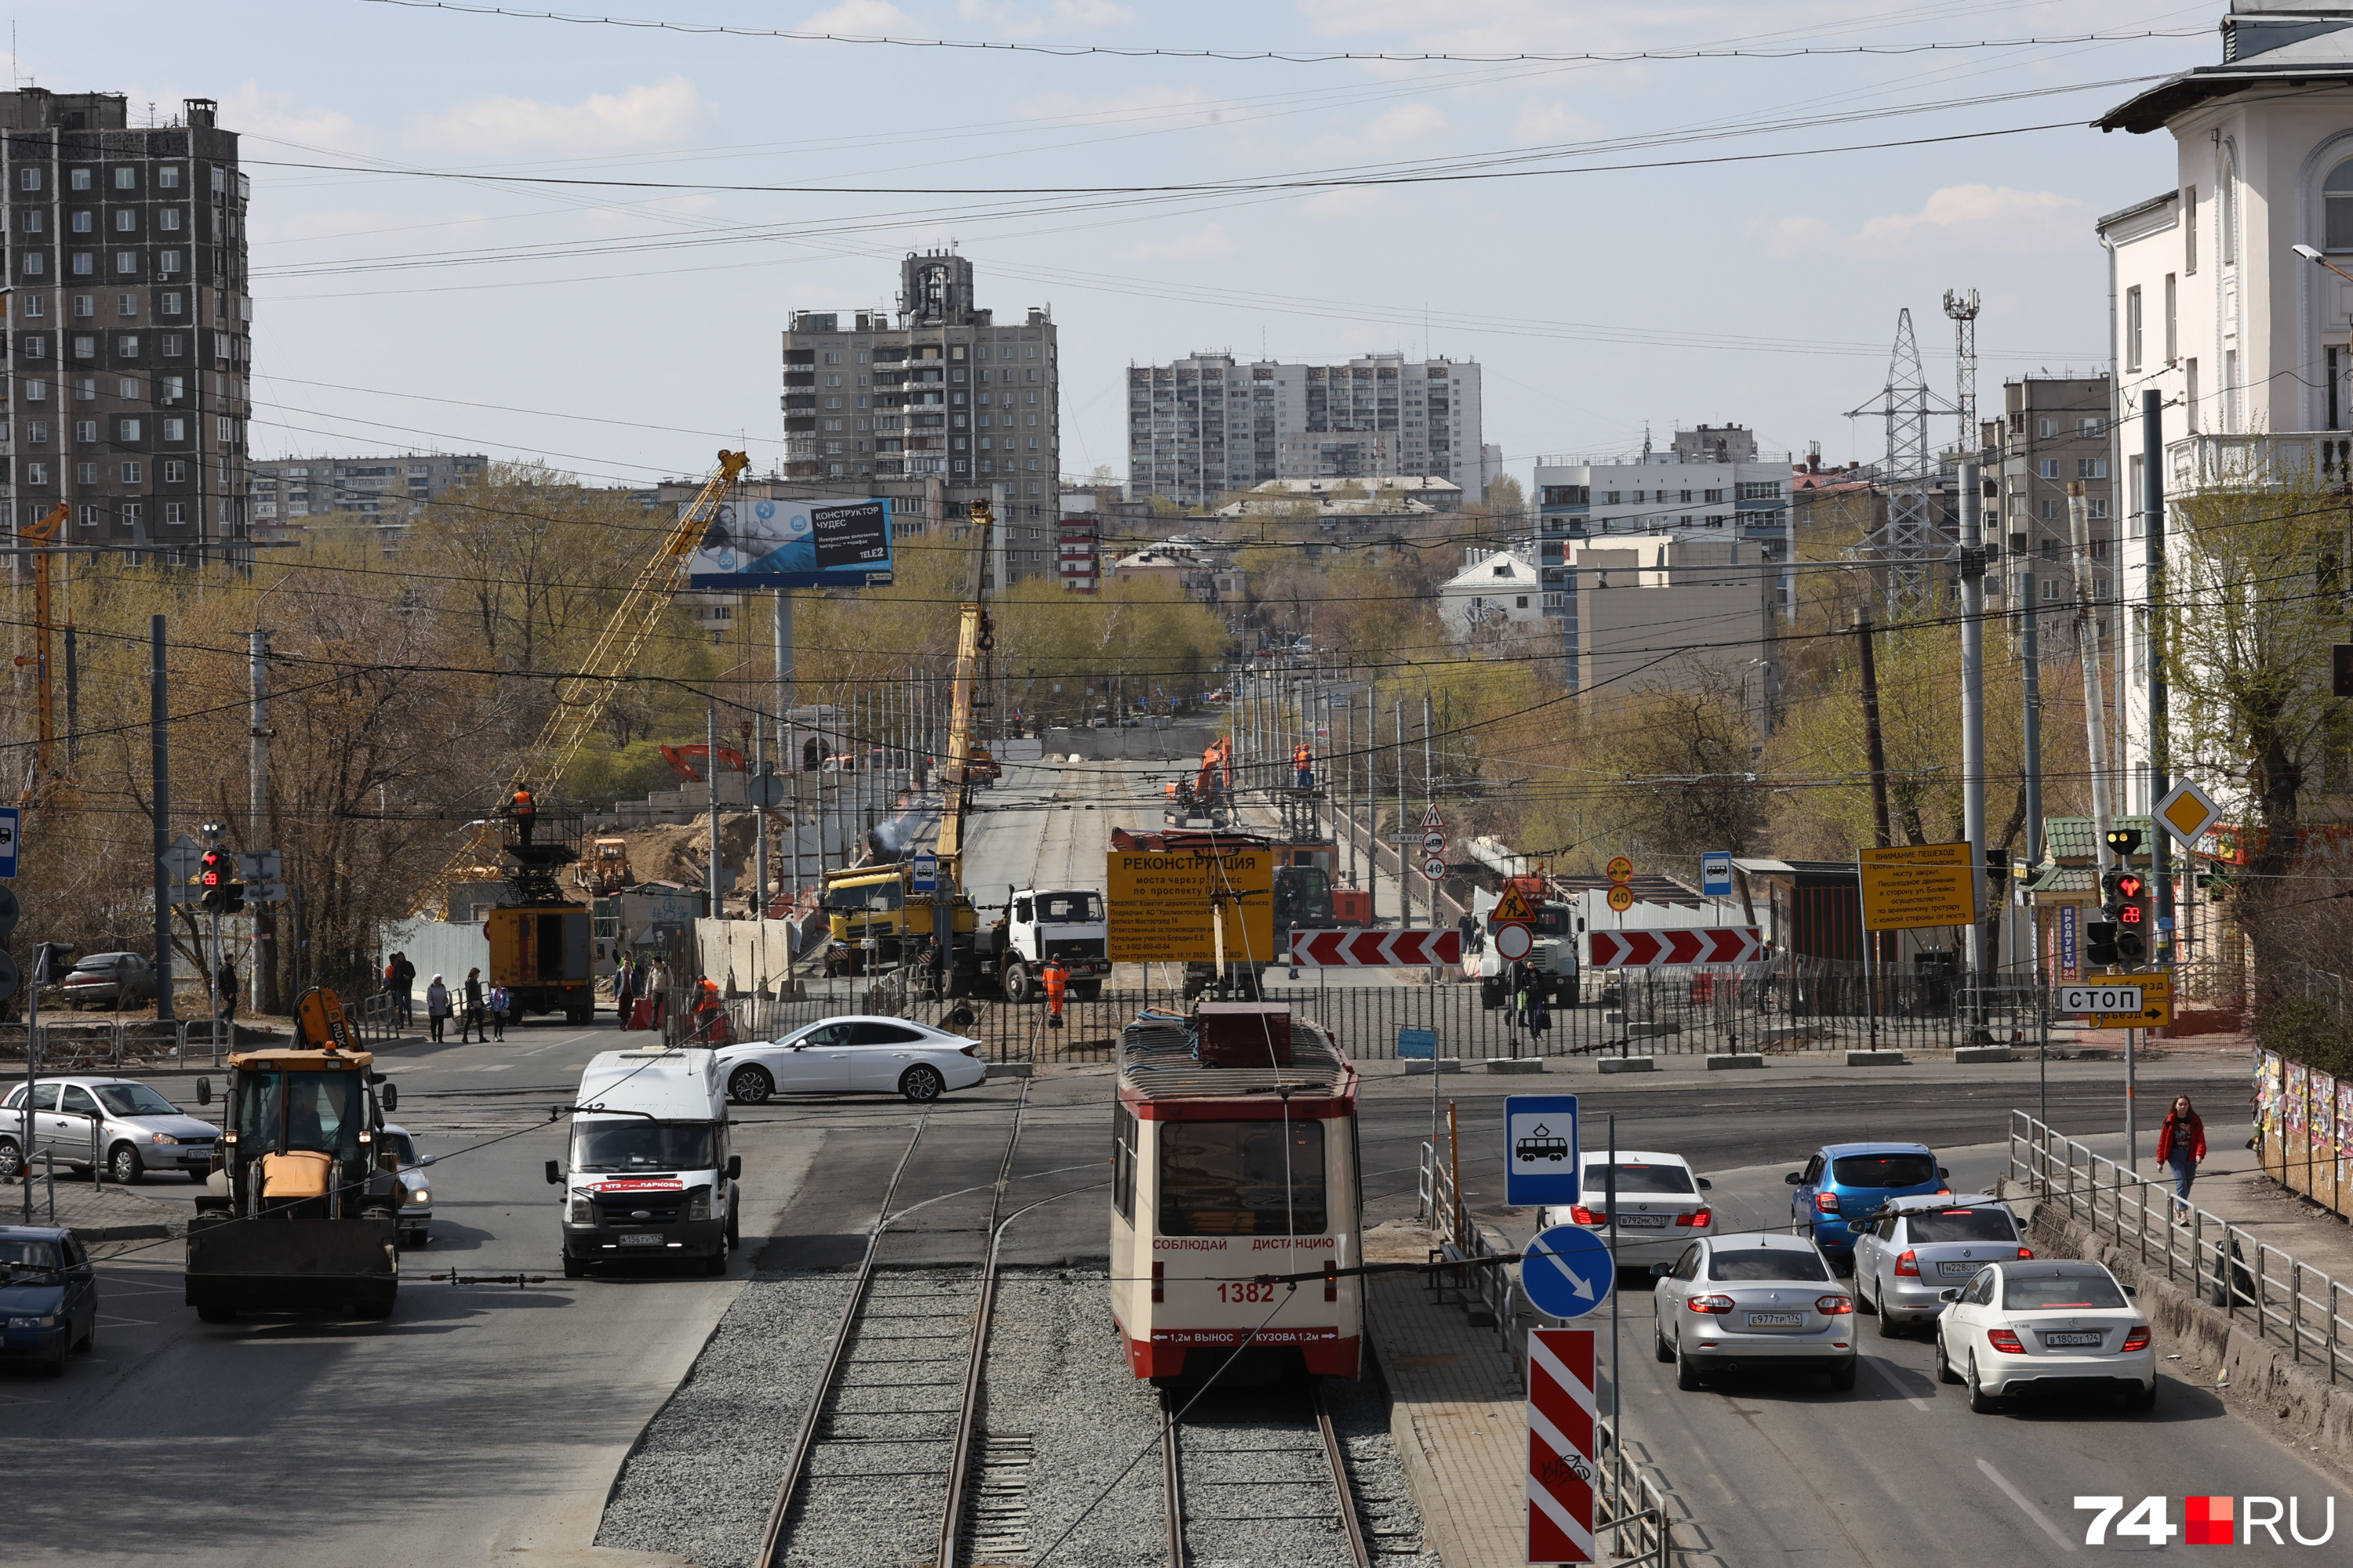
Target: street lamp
2318,259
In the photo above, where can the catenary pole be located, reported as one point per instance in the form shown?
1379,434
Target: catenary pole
159,717
257,831
2160,845
1973,738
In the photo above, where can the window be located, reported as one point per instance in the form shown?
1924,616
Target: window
84,307
126,221
35,347
34,265
2189,232
37,391
1123,1159
86,432
85,347
176,513
172,304
168,262
30,179
130,472
32,217
126,178
35,305
37,473
130,429
2172,332
1759,490
1711,498
37,433
127,346
2094,428
174,471
1765,1264
168,177
85,473
1228,1177
2047,468
2132,327
126,305
83,223
2091,468
2096,509
2189,416
79,179
85,265
2229,182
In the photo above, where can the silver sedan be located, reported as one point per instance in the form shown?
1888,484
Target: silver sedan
1915,1249
415,1215
1754,1302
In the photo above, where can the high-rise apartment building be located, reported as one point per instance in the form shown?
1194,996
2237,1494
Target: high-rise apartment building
2053,433
944,397
129,326
384,491
1203,425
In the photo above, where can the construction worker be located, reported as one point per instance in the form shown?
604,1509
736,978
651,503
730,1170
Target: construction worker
519,807
1303,763
1057,976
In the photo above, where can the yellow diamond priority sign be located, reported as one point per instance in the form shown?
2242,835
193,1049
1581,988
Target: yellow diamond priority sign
2188,812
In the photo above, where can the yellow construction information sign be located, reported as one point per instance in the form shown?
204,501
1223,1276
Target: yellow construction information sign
2155,1002
1168,906
1913,885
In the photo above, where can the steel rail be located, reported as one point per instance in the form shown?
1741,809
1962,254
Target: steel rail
1171,1481
968,1417
796,1462
1349,1519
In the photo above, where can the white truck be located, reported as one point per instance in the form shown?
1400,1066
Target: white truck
1068,924
648,1178
1553,951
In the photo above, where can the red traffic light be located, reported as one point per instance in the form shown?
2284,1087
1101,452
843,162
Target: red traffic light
216,869
2130,886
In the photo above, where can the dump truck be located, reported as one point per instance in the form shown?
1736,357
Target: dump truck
302,1207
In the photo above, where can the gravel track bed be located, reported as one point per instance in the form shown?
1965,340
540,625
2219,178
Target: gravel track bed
705,1474
1258,1485
1392,1519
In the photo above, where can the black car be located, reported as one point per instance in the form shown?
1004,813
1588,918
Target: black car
48,1296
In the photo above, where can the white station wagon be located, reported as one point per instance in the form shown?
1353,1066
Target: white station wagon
852,1055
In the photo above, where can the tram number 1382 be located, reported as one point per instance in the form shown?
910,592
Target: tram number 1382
1247,1290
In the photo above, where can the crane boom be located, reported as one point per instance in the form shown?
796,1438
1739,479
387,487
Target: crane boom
581,698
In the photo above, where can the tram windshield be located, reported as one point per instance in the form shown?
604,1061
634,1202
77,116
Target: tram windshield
1226,1178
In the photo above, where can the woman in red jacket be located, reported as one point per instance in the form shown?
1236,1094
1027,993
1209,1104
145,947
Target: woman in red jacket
2181,1143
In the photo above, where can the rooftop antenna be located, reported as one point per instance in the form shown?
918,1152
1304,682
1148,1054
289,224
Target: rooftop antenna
1963,308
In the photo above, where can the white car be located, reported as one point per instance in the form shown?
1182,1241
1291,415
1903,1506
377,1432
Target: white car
1660,1210
2045,1327
415,1215
1759,1301
1915,1249
852,1055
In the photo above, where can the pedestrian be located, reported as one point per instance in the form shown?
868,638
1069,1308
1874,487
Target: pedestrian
658,988
500,1002
224,987
403,986
1057,978
1302,765
2182,1144
624,989
472,1018
437,1005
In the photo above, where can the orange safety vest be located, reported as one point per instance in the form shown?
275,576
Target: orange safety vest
1056,977
1301,757
522,803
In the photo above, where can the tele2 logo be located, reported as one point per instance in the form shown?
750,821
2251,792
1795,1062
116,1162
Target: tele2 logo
2206,1521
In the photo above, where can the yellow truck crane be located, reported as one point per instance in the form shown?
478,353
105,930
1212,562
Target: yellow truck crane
301,1208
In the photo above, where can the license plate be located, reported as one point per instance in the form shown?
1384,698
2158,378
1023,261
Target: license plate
1776,1320
1651,1222
2059,1340
641,1238
1957,1269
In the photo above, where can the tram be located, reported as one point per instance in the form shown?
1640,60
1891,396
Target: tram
1235,1155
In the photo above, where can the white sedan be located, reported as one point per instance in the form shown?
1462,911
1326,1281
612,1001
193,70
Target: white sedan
1660,1210
849,1055
2045,1327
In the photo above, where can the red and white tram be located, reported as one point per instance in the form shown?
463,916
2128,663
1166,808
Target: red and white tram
1234,1155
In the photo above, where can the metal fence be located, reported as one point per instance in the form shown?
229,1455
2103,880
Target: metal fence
2258,1287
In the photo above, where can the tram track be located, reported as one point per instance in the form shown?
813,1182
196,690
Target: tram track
1248,1464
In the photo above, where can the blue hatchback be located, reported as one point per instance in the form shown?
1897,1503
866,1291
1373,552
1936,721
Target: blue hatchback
1844,1183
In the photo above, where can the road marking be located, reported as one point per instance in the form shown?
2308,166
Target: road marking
1886,1377
107,1322
2025,1507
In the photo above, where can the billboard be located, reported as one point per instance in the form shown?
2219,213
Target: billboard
767,543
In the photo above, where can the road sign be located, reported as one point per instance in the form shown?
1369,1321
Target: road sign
1416,1044
923,873
12,833
1566,1271
2098,999
265,892
1514,941
1563,1438
1621,898
2156,1009
1539,1149
1433,868
182,859
259,865
1690,945
1913,885
1620,869
9,911
1715,874
766,790
2340,669
1168,906
7,977
1433,843
1375,949
2188,812
1431,818
1512,906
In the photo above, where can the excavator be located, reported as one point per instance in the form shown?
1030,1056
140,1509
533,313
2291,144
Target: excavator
1207,794
302,1205
681,758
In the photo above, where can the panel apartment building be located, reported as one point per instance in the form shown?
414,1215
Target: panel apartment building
941,408
2053,432
384,491
1205,425
129,326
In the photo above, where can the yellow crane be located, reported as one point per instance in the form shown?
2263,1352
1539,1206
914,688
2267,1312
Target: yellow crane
974,639
581,698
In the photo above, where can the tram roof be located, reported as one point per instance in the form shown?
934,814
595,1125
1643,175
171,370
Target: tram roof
1164,1071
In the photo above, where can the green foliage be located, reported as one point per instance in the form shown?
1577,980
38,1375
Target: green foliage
602,774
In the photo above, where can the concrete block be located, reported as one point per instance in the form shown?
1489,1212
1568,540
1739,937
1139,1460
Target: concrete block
1628,1064
1415,1068
1011,1069
1736,1059
1875,1059
1964,1055
1515,1064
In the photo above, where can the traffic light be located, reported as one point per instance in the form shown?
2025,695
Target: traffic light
215,878
2132,917
2100,945
2123,841
233,898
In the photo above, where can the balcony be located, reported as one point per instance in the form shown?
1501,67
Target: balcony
2259,461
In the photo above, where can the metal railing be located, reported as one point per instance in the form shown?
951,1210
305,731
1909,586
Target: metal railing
2257,1286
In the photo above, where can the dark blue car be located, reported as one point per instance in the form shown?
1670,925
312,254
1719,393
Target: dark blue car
1844,1183
48,1296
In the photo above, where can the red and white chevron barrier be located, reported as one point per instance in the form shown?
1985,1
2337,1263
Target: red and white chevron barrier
1561,1445
1375,949
1658,950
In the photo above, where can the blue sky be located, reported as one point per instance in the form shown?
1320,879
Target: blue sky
638,328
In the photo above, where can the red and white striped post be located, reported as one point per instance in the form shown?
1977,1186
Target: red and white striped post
1562,1436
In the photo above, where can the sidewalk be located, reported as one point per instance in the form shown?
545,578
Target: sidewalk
95,1213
